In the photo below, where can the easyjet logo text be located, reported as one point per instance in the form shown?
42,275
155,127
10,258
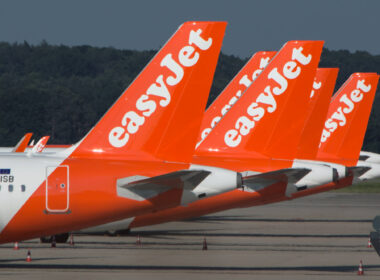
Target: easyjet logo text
246,82
158,93
266,101
348,101
316,86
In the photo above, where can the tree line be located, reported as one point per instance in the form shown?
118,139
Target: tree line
62,91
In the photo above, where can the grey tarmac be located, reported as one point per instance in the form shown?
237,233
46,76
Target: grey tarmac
317,237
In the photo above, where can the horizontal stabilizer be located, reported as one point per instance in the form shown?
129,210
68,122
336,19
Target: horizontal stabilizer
289,175
358,171
141,188
363,157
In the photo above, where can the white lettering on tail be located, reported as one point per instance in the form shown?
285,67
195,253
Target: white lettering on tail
188,56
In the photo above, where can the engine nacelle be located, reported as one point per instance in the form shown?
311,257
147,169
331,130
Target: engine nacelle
219,181
320,174
342,171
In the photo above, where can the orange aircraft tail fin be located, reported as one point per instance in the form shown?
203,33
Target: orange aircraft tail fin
40,146
269,117
158,116
320,97
22,144
233,91
347,119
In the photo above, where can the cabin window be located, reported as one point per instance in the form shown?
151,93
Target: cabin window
23,188
10,188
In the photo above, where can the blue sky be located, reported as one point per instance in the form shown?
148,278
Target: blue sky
253,25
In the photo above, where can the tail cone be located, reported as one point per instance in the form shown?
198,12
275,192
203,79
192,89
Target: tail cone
15,247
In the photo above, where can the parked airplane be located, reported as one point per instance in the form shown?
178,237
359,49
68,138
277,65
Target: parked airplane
298,92
137,159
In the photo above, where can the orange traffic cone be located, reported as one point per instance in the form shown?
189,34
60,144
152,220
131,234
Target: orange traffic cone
53,242
138,241
369,244
15,246
29,256
71,240
360,270
204,244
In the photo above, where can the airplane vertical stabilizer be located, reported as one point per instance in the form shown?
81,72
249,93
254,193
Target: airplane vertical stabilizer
269,117
320,97
159,115
23,143
347,119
